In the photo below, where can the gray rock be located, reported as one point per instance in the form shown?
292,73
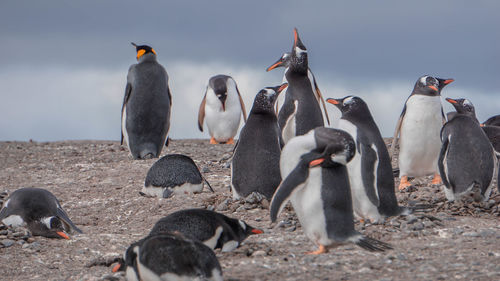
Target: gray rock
223,206
487,232
411,219
7,242
470,234
418,226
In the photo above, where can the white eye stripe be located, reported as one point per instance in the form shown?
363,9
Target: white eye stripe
423,80
46,221
348,100
242,225
299,51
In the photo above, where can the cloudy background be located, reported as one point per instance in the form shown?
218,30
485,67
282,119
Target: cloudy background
64,63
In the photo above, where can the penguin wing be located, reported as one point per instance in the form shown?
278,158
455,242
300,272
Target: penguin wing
396,132
4,212
442,156
201,112
369,160
293,181
320,97
61,214
242,105
128,90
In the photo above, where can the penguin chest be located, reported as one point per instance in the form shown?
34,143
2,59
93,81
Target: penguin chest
124,126
419,137
308,204
222,122
290,129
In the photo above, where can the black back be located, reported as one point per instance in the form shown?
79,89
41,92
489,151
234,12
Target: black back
493,121
173,170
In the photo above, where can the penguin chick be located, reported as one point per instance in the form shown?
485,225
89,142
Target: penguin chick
40,210
173,174
222,106
213,229
317,184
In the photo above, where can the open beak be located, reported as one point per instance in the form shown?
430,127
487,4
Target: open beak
332,101
433,87
316,162
63,235
448,81
282,87
257,231
451,100
116,268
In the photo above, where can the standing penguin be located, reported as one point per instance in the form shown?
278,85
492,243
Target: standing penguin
370,170
467,161
146,106
418,128
223,106
211,228
40,210
300,112
317,184
255,166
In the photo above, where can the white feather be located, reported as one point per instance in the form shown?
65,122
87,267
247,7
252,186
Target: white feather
212,241
187,188
14,220
124,126
289,131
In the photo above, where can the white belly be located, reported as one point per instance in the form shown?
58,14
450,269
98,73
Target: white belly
419,137
289,130
223,124
124,127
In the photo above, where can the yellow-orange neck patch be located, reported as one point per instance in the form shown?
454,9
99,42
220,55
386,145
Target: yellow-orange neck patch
140,53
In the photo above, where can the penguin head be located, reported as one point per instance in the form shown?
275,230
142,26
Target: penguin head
333,147
142,50
430,86
241,229
52,227
265,99
129,262
298,58
218,84
463,106
283,61
350,106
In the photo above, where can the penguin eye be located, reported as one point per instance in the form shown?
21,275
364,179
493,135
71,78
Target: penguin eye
55,223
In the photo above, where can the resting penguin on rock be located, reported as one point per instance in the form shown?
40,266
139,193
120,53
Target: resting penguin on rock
146,106
256,162
213,229
222,106
173,174
467,160
301,111
40,210
370,171
317,184
169,256
492,121
418,128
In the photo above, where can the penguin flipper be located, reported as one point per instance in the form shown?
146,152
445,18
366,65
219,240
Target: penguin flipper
442,155
242,105
4,212
63,216
128,90
293,181
396,132
201,113
368,160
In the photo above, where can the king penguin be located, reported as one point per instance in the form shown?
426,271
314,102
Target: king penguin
146,106
300,112
222,106
370,171
467,160
255,166
418,128
40,210
213,229
316,182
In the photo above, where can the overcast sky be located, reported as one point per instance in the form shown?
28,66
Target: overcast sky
64,63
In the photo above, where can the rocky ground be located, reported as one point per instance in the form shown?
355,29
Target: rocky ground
98,185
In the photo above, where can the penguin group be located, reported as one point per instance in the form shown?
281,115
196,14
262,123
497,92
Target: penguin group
331,176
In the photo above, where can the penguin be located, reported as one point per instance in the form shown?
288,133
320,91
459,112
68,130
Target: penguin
418,128
466,161
146,106
284,61
492,121
40,211
316,182
173,174
370,171
169,256
301,111
213,229
256,161
223,106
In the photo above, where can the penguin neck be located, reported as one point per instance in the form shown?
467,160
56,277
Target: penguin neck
263,110
149,57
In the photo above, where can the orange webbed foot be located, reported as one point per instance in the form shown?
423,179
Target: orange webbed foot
320,250
437,180
404,183
213,141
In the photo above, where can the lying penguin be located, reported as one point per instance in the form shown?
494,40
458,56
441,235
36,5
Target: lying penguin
211,228
169,256
40,211
173,174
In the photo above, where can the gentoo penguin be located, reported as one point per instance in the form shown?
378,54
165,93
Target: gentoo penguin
418,128
173,174
301,111
256,161
222,106
169,256
317,184
39,210
492,121
284,61
467,161
370,170
213,229
146,106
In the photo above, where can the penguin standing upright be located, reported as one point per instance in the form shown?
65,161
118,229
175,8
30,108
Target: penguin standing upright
146,106
256,161
317,184
222,106
467,160
418,128
40,210
301,111
370,171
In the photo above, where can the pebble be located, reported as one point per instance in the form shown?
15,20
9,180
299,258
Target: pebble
7,242
471,234
259,253
205,170
223,206
487,233
411,219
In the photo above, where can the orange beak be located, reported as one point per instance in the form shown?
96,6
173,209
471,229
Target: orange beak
257,231
295,35
316,162
433,87
451,100
63,235
116,268
482,125
282,87
276,64
332,101
448,81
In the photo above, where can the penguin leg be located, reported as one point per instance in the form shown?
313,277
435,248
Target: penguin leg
404,183
321,250
213,141
437,179
230,141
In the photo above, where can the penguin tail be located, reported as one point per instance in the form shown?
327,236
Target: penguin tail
208,184
372,245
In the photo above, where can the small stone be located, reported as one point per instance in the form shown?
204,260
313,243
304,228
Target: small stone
223,206
265,203
471,234
30,240
4,232
291,228
418,226
7,242
487,232
259,253
411,219
428,224
205,170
